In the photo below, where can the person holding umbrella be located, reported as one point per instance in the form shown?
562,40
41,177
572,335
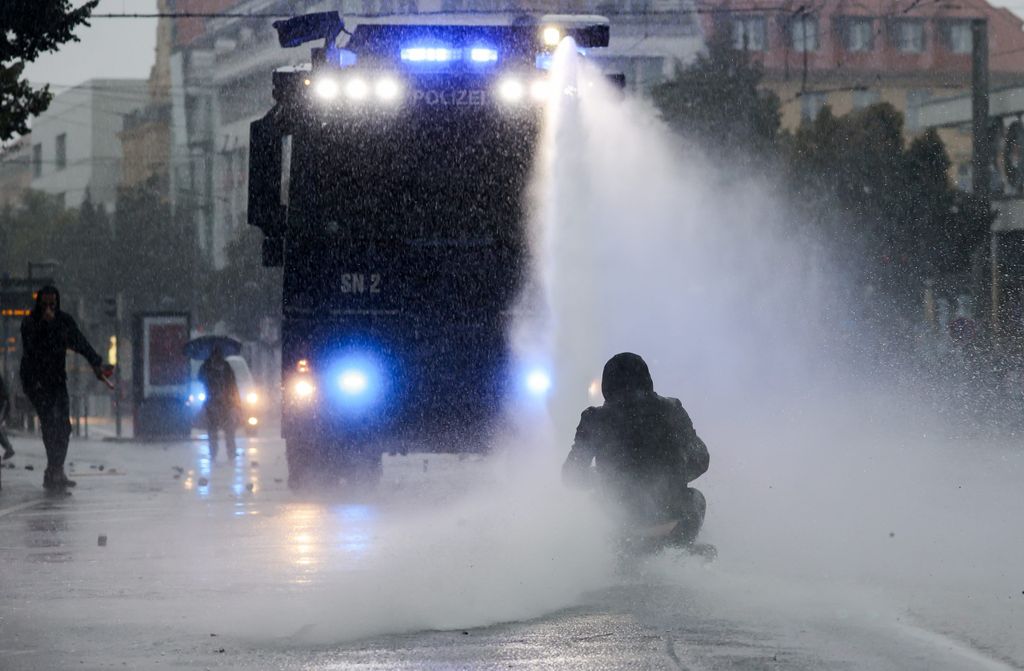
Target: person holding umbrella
223,402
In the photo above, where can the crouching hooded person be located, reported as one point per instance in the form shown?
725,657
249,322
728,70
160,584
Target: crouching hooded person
47,334
640,451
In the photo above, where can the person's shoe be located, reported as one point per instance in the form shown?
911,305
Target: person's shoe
64,480
704,551
8,452
51,482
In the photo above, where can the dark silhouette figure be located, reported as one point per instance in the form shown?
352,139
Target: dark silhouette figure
223,402
5,408
46,336
640,450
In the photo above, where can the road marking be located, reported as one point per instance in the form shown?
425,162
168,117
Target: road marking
673,655
978,658
20,506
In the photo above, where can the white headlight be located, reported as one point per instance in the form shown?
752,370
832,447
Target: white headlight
357,88
304,390
327,88
252,398
511,90
387,89
552,36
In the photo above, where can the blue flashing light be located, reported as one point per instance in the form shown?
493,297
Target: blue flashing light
538,382
353,382
428,54
434,53
359,381
483,55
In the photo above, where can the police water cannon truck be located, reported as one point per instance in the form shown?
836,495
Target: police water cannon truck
389,181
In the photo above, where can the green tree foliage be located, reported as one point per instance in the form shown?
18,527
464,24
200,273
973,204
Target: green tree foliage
243,293
29,28
895,204
144,251
31,230
153,258
716,101
83,248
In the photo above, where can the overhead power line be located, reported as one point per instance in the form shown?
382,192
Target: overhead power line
190,15
274,15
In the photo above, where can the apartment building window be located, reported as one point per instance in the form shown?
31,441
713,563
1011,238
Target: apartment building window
804,31
909,36
749,33
37,161
915,99
61,155
860,34
959,36
862,99
811,104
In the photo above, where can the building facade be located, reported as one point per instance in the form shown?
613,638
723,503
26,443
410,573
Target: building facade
850,54
15,170
146,134
76,148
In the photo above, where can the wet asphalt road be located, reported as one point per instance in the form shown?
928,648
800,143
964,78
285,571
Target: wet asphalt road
163,560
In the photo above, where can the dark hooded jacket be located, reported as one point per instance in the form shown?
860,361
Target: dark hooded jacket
45,345
221,387
638,441
5,400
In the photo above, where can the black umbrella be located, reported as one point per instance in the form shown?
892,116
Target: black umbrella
202,347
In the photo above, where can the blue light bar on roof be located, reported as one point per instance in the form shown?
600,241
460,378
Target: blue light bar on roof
483,55
428,54
441,54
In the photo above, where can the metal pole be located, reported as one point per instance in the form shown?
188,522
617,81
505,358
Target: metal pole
996,285
982,151
6,335
981,145
803,39
6,346
117,369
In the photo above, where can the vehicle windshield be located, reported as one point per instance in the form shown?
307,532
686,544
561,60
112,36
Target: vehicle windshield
434,177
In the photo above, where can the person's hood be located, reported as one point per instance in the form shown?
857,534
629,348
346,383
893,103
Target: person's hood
48,289
625,375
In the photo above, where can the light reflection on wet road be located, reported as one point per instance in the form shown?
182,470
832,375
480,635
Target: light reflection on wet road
195,567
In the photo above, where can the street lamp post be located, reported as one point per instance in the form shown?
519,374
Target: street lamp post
981,158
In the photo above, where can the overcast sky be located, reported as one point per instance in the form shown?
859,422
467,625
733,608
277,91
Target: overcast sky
125,47
108,48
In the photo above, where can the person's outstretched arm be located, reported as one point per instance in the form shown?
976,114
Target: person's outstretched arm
77,343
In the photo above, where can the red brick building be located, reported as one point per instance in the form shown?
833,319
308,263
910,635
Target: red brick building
849,54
